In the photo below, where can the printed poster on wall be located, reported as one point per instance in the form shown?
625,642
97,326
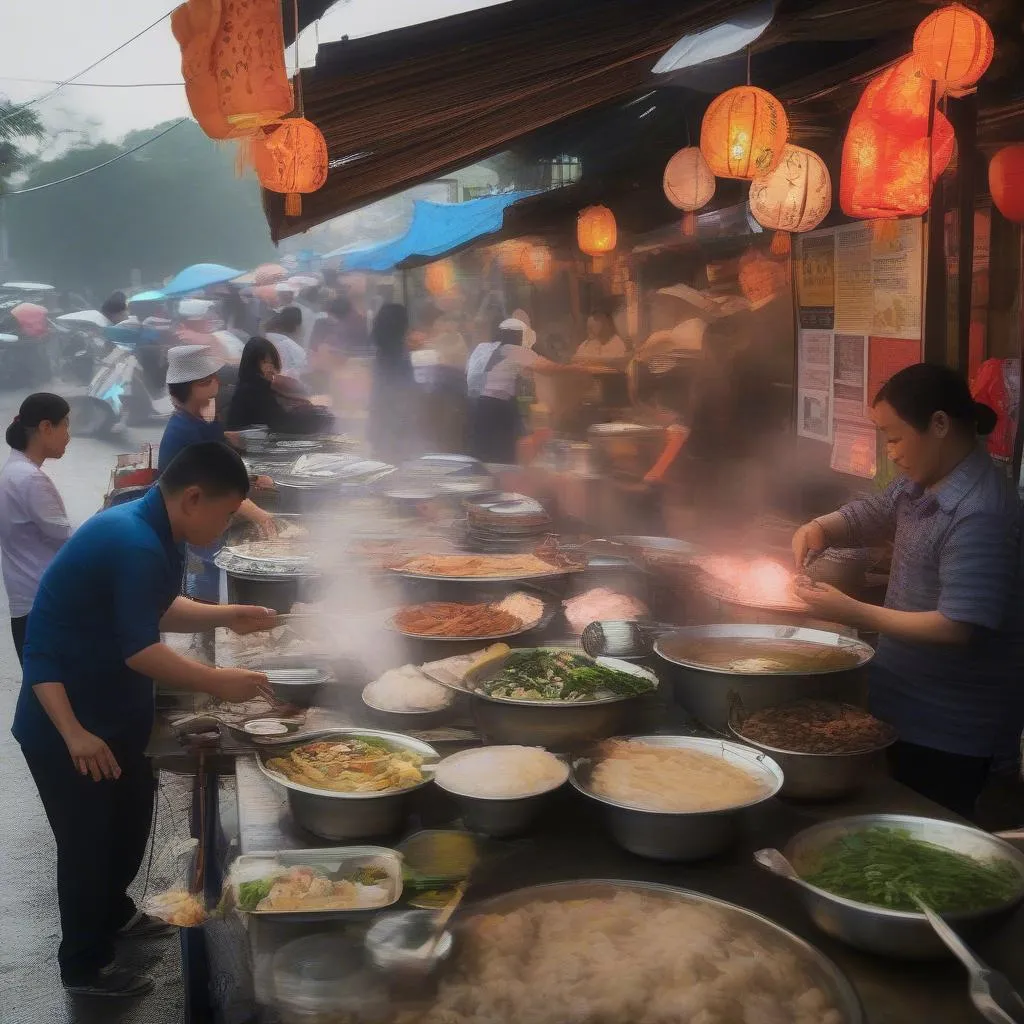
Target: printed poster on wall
850,376
853,279
816,280
814,386
897,266
886,357
855,448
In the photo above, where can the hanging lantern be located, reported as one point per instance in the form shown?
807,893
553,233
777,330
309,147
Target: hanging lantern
689,184
796,196
194,26
440,278
1006,182
536,263
954,46
743,133
886,153
511,253
248,63
291,157
596,230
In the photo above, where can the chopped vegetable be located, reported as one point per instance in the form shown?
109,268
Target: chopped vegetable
250,893
888,867
561,675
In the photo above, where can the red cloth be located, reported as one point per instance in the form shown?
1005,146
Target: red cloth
990,387
32,319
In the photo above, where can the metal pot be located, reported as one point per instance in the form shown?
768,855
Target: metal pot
274,592
681,836
713,695
822,776
897,933
344,816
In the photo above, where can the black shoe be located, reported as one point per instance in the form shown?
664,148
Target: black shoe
115,982
143,926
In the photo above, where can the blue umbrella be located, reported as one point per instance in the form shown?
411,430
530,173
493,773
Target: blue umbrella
199,276
151,296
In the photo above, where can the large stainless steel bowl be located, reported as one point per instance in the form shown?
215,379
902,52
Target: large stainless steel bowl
897,933
676,836
559,726
820,971
713,695
822,776
343,816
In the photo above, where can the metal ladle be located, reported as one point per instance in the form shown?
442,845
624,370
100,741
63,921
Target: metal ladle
624,639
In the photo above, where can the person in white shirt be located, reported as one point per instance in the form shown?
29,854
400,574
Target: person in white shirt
33,522
282,329
602,342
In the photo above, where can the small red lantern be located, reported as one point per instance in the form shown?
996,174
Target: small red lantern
954,46
1006,182
596,230
291,157
439,278
536,263
743,132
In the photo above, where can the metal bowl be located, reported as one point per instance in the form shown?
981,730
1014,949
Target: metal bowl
406,721
558,726
821,971
499,816
897,933
344,816
714,695
299,686
822,776
681,836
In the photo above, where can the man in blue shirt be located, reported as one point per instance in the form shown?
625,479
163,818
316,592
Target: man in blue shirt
85,711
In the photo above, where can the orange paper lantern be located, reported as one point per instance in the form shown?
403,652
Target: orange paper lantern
248,63
954,46
743,133
536,263
440,278
689,184
195,26
596,230
291,158
1006,182
886,153
796,196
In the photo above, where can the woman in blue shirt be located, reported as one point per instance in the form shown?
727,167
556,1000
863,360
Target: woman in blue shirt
193,383
947,671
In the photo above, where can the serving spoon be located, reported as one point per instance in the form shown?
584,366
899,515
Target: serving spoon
622,638
777,863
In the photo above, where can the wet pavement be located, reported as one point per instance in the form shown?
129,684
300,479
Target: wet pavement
29,924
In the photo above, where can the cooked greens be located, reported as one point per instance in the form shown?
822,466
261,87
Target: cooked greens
250,893
888,867
561,675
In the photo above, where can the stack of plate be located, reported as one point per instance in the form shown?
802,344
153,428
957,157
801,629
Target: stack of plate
505,522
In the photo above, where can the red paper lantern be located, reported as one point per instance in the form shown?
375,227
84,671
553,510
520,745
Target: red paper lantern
195,26
439,278
536,263
954,46
291,158
743,132
596,230
1006,182
886,153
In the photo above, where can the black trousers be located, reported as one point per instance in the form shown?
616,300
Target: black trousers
953,780
101,829
494,430
18,632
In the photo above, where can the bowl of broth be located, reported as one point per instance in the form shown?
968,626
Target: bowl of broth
722,671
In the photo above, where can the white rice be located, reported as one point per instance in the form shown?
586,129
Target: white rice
501,772
407,689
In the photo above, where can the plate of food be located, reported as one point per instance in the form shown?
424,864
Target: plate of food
480,620
309,886
470,568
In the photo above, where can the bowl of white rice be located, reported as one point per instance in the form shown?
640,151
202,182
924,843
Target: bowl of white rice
404,698
500,790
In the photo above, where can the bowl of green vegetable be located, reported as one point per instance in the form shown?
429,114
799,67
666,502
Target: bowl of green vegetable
555,698
859,877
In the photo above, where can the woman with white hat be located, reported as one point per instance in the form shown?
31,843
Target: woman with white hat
193,383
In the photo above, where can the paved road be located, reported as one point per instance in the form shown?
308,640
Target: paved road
29,926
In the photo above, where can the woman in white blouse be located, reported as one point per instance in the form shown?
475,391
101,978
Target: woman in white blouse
33,523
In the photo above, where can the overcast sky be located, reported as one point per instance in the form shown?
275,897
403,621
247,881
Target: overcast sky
54,39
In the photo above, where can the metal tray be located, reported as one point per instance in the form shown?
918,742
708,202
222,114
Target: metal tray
264,569
555,573
545,619
329,860
820,969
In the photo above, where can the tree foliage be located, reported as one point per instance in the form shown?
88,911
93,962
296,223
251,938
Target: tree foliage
175,202
16,124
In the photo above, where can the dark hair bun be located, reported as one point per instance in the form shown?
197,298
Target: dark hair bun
17,436
985,418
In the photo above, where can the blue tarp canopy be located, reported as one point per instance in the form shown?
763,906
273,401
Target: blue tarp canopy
436,229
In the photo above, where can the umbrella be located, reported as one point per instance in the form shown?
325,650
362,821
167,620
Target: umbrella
93,317
150,296
199,276
268,273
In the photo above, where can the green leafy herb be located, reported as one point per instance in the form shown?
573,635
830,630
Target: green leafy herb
369,875
251,893
888,867
562,675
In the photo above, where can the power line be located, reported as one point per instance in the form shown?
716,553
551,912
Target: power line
93,85
98,167
74,78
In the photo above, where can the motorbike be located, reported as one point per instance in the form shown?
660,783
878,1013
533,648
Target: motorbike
128,386
78,345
